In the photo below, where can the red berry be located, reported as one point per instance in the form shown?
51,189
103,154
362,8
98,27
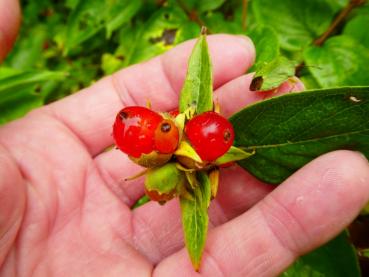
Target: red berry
210,134
134,130
166,137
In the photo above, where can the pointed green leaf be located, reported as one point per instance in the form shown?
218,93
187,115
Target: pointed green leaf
195,219
290,130
270,75
233,154
336,258
197,90
140,202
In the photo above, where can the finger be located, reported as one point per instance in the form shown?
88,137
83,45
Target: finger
308,209
90,113
12,202
235,95
9,25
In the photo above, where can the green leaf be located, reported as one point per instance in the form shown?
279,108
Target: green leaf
195,219
266,45
90,17
297,23
337,258
203,5
140,202
197,90
164,29
232,155
19,91
290,130
270,75
341,61
354,28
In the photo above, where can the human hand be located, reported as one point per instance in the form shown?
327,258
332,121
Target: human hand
64,207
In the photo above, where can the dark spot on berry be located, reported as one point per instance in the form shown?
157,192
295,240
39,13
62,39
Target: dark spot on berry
123,115
227,135
165,127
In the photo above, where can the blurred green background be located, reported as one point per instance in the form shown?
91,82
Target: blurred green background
64,46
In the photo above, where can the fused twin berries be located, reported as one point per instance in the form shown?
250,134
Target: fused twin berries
140,131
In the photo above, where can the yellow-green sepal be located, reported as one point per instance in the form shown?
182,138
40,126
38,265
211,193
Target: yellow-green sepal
233,154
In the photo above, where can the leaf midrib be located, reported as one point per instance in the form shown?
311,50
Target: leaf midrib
304,141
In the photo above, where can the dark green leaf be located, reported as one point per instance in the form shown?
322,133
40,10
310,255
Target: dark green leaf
195,219
340,61
270,75
337,258
297,23
203,5
197,90
289,131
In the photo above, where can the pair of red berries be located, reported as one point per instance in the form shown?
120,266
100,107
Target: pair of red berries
139,130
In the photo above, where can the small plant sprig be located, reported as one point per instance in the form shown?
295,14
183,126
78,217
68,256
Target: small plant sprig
182,150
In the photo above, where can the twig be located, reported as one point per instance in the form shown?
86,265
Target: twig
192,15
244,14
331,29
338,20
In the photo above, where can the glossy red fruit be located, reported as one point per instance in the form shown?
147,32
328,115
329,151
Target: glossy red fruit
210,134
134,130
166,137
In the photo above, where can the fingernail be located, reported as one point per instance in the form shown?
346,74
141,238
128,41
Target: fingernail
249,45
247,42
362,155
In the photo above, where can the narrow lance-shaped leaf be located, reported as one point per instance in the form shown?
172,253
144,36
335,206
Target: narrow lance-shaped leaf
270,75
195,219
288,131
197,90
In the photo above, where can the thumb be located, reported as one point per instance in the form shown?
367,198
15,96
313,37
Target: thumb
12,202
9,25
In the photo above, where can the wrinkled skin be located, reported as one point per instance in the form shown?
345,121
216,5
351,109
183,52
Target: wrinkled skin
64,209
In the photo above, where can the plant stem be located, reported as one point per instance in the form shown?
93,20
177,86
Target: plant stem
332,28
244,14
338,20
192,15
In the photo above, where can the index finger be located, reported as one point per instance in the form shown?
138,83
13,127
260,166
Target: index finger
90,113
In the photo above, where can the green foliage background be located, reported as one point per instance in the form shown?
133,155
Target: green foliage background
64,46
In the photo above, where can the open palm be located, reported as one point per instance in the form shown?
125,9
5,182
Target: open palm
65,209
